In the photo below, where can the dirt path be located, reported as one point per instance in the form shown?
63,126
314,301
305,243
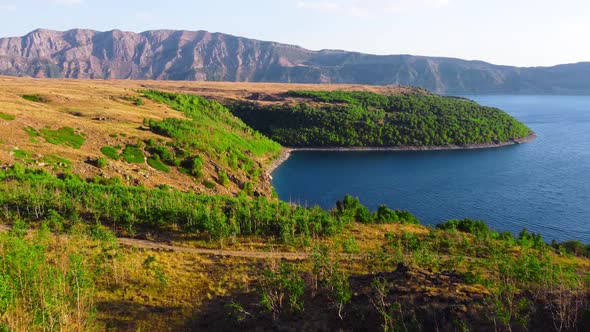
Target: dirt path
152,245
145,244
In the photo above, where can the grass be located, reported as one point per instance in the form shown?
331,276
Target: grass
101,162
57,161
35,98
110,152
32,132
156,163
209,184
7,117
22,154
132,154
63,136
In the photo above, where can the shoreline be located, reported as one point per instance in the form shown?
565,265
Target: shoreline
286,153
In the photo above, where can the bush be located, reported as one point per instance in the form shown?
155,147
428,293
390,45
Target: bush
350,209
101,162
209,184
35,98
110,152
36,288
132,154
475,227
63,136
281,289
156,163
223,178
7,117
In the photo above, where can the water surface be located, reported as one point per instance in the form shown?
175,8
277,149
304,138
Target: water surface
543,185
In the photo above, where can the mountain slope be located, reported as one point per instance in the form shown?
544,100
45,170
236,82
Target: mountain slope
200,56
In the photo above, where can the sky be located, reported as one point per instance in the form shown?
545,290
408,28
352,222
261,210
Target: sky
516,32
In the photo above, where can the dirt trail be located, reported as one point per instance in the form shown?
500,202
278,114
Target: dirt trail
152,245
145,244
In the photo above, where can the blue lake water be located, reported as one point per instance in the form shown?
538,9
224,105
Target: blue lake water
543,185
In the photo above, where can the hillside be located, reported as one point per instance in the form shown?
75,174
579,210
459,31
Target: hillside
112,131
204,56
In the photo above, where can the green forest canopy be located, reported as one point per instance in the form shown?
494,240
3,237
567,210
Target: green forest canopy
355,118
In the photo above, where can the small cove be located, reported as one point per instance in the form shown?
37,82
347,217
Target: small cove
543,185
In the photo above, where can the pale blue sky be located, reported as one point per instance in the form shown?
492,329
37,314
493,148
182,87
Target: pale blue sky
515,32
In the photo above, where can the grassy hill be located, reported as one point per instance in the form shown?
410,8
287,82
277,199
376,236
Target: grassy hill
111,130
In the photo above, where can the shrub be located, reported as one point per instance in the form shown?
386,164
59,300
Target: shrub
101,162
475,227
223,178
156,163
281,289
37,289
195,166
31,131
7,117
63,136
110,152
132,154
35,98
209,184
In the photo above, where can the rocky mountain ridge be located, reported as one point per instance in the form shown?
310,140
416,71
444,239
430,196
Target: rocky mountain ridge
204,56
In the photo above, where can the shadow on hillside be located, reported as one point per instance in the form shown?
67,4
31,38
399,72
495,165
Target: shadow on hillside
132,316
417,299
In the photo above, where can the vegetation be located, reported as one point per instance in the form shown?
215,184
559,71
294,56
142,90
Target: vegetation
138,101
101,162
47,284
357,119
110,152
63,136
156,163
133,154
33,195
35,98
212,131
32,132
7,117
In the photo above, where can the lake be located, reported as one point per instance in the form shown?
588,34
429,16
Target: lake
543,185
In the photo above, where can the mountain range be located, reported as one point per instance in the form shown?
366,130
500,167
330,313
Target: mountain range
205,56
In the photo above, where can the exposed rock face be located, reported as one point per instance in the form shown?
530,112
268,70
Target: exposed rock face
200,55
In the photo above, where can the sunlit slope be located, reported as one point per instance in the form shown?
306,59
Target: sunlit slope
112,131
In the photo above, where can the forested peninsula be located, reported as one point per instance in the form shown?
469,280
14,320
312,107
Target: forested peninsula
416,120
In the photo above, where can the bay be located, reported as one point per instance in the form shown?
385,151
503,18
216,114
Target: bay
543,185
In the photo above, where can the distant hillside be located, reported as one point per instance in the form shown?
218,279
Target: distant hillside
204,56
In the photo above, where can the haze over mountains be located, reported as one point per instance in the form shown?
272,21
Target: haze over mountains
200,55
